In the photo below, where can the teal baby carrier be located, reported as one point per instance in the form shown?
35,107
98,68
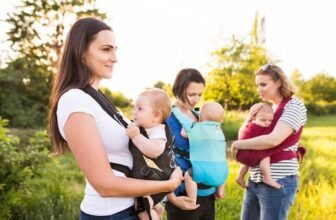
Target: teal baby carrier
207,151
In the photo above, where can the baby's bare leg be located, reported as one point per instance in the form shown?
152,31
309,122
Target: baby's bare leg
144,216
265,169
241,176
191,186
158,208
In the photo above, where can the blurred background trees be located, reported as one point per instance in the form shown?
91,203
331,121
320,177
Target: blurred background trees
36,35
36,185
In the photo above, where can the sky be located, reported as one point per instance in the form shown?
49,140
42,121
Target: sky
157,38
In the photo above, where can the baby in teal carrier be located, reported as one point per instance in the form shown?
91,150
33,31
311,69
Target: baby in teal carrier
207,151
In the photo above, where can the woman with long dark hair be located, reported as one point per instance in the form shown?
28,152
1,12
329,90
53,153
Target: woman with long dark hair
77,122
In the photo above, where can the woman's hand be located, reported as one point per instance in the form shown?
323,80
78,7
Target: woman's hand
175,178
182,202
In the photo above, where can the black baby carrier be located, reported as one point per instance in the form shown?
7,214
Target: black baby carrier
159,168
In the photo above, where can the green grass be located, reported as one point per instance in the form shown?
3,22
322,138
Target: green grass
316,199
317,193
321,121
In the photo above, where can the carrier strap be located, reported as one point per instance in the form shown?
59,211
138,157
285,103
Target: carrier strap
110,109
106,104
182,153
121,168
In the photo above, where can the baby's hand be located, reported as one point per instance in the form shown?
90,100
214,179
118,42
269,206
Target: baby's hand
220,192
184,133
132,130
253,111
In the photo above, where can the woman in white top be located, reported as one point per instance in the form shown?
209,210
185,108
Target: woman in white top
77,122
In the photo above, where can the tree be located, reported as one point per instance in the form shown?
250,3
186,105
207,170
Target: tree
297,78
322,87
165,87
118,99
24,94
36,34
37,27
231,82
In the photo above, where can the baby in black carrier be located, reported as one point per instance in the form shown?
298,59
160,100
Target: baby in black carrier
151,146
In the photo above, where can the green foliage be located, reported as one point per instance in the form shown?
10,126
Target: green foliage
316,196
165,87
231,82
297,79
36,35
229,207
321,87
37,27
232,122
321,108
33,184
24,93
118,99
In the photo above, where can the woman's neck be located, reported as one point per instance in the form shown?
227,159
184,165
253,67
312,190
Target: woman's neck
276,101
95,84
183,107
186,109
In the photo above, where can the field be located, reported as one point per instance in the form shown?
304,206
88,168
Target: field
49,187
316,199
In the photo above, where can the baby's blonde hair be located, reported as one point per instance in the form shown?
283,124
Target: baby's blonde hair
212,111
159,101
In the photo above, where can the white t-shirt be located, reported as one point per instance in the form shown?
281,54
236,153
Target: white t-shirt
115,143
157,132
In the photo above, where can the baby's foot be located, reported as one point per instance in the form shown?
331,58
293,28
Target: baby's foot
241,182
272,183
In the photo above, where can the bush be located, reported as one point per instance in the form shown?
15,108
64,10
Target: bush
33,183
232,122
321,108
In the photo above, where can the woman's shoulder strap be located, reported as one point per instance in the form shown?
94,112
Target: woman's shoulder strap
106,104
182,118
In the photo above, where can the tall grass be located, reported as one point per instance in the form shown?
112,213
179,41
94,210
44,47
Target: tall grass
316,198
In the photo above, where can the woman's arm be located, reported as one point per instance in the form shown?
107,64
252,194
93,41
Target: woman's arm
280,132
241,129
85,143
152,148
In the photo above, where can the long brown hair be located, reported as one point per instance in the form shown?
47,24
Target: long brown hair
72,72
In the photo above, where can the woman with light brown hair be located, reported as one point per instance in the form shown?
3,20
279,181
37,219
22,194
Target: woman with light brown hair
262,201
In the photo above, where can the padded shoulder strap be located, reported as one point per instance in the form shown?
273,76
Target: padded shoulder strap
106,104
184,120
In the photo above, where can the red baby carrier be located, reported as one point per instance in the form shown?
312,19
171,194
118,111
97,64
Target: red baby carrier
253,157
